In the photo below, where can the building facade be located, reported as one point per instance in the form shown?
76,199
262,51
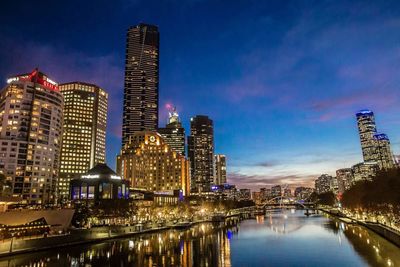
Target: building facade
383,154
31,125
140,111
345,179
323,184
303,193
220,169
174,133
276,191
84,136
149,163
364,171
201,153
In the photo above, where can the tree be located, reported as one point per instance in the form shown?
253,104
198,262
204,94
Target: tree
327,198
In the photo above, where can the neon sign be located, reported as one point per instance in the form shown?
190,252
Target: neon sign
37,77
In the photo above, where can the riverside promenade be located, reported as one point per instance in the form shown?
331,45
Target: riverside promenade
75,237
388,233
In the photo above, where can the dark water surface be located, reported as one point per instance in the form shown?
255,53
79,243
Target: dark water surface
284,238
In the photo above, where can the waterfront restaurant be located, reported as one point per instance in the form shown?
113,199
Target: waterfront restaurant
99,183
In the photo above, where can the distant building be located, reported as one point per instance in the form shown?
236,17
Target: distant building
287,192
140,111
201,153
244,194
84,136
174,133
364,171
276,191
149,163
220,169
98,184
344,179
324,183
303,193
31,125
256,197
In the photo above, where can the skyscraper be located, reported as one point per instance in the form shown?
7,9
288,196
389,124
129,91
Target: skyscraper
84,137
220,169
375,146
174,133
201,153
140,110
367,130
31,114
324,184
383,153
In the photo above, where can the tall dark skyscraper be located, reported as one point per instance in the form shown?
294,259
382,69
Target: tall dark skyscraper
201,153
141,80
174,133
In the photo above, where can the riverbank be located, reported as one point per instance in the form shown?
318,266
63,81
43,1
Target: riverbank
94,235
388,233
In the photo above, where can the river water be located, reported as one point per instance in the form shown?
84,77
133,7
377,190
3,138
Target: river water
283,238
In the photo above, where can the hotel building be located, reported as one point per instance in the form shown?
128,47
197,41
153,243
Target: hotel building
84,136
31,124
149,163
140,111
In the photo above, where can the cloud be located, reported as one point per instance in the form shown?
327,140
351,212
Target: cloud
255,182
65,66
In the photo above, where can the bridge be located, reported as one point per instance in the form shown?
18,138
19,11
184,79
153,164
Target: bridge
282,201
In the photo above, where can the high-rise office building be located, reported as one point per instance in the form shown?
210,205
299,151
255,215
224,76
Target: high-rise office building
84,136
383,153
367,130
364,171
174,133
149,163
31,124
201,153
220,169
375,146
324,184
140,110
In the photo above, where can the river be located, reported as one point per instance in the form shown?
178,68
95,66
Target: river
282,238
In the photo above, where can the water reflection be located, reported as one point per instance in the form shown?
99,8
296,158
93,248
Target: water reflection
202,245
284,238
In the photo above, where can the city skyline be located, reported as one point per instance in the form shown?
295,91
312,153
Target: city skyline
269,129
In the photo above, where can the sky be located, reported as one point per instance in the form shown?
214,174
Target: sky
282,80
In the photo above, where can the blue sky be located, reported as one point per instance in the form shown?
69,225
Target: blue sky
281,79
